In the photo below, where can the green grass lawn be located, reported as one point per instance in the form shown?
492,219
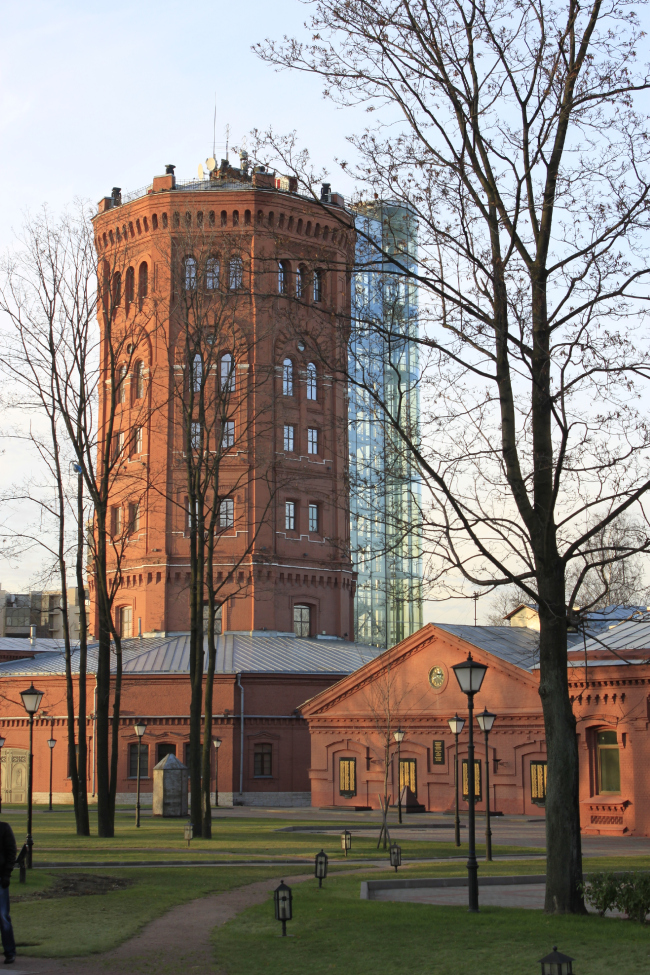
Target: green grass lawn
67,926
233,836
335,931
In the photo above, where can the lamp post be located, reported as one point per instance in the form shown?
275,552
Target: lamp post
2,741
456,725
346,841
485,721
31,702
469,675
139,727
556,963
217,745
399,738
395,856
51,742
282,899
320,867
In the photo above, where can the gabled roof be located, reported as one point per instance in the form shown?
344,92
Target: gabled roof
516,644
236,653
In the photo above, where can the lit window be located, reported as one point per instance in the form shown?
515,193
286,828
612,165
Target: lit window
190,274
609,763
538,783
312,440
313,517
287,378
195,436
235,274
197,373
228,439
290,516
289,430
407,775
227,513
227,373
263,761
212,274
347,777
312,388
318,285
125,622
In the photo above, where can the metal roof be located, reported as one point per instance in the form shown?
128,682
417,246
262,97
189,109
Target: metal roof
518,645
631,635
236,653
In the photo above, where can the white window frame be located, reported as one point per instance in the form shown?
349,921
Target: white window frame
287,377
314,518
212,271
195,435
312,440
235,274
227,373
228,438
189,275
312,381
227,513
289,437
290,516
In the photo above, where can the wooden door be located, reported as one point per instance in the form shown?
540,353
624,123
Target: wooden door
14,774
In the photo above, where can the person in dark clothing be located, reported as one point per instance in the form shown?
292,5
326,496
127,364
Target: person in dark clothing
7,860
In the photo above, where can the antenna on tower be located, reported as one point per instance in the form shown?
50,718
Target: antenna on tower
227,139
214,129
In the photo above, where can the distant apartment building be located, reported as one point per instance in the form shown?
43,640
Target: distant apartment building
19,612
385,487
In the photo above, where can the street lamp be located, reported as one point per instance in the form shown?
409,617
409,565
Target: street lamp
399,738
320,867
31,702
556,963
485,721
395,856
51,742
456,725
2,741
282,900
469,675
217,745
346,841
139,727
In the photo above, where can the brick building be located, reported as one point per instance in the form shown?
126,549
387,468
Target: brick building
274,266
412,686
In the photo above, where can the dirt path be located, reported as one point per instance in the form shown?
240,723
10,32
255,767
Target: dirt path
178,943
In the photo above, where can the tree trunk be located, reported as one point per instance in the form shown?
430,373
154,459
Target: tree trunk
196,663
564,853
209,684
83,823
105,824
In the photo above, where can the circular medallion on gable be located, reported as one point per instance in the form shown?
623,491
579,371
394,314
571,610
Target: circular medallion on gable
436,677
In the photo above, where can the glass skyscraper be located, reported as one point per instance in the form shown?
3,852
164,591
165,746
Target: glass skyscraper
385,487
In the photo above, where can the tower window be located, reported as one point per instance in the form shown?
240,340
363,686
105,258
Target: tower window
318,285
134,518
302,620
212,274
290,516
137,440
312,440
116,519
287,378
236,274
283,275
224,218
300,282
235,218
609,763
195,436
143,283
139,380
228,438
121,384
129,288
227,513
197,373
312,387
247,218
164,221
289,433
190,274
313,518
227,373
154,221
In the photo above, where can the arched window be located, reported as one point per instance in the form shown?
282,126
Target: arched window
154,221
139,380
224,218
312,382
190,274
197,373
212,274
143,283
300,282
283,277
235,274
121,384
129,287
318,285
287,378
164,221
227,373
247,218
235,218
609,763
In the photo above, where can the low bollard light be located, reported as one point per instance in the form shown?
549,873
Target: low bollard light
346,841
556,963
189,832
320,867
395,856
282,899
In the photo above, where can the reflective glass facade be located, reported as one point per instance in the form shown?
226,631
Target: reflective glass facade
384,485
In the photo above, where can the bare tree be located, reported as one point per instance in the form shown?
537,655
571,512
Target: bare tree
523,156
